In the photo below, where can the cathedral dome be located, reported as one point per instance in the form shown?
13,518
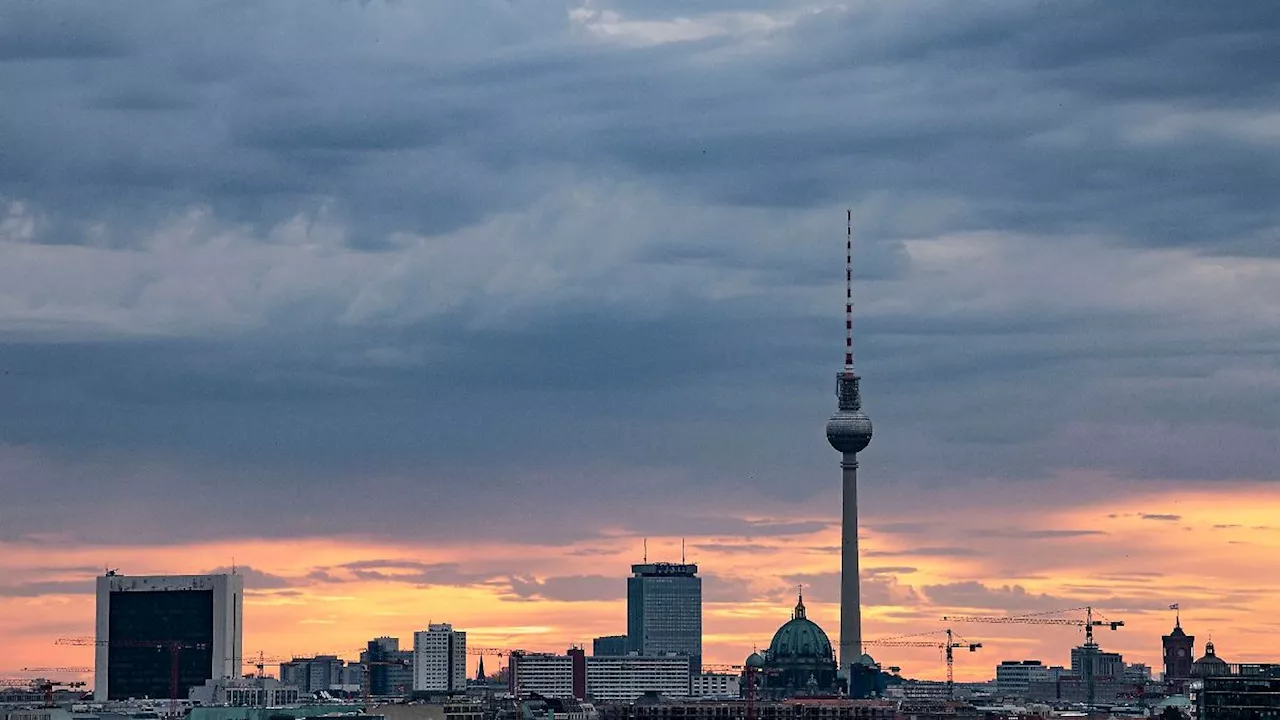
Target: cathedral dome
800,638
1210,665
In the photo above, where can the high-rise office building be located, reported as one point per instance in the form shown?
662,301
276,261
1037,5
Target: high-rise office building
440,659
1014,677
664,611
313,674
390,668
143,621
609,645
1089,659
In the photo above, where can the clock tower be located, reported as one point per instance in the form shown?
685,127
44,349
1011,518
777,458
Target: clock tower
1178,648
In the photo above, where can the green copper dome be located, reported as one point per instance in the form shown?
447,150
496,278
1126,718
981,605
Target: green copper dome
799,638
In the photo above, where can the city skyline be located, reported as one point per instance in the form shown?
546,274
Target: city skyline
431,312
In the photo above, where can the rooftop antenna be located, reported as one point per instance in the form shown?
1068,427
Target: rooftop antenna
646,550
681,551
848,293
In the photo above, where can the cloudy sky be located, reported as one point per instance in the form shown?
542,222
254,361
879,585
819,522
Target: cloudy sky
431,311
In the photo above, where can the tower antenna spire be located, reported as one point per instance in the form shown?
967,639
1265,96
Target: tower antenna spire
848,292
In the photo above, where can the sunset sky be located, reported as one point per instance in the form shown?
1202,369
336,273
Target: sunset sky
434,311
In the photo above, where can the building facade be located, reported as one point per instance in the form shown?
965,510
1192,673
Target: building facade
245,692
609,645
313,674
545,674
604,678
1104,664
440,659
390,669
142,621
623,679
797,709
1249,692
664,611
715,685
1014,677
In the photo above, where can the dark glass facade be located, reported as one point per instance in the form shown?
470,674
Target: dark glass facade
609,645
143,625
664,611
1254,694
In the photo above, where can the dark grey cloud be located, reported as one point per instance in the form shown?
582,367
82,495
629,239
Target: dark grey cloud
48,587
973,594
255,579
410,571
924,552
1025,534
1164,517
878,590
463,253
568,588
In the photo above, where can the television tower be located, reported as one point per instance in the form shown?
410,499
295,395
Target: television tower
849,432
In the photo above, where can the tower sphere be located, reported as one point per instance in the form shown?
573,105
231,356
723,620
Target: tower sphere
849,431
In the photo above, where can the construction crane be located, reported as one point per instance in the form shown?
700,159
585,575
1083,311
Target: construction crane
175,648
260,663
60,670
948,647
40,685
1088,623
495,652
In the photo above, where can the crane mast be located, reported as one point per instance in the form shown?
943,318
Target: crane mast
1088,623
948,647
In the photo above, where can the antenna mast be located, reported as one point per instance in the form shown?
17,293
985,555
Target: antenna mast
848,294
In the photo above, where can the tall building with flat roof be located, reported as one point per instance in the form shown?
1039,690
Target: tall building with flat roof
609,645
144,621
1014,677
664,611
440,659
390,669
313,674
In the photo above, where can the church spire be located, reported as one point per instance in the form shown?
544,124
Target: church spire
799,613
480,670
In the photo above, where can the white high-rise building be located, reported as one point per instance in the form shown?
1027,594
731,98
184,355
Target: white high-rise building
197,618
440,659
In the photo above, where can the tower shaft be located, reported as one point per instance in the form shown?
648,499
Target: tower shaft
850,585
